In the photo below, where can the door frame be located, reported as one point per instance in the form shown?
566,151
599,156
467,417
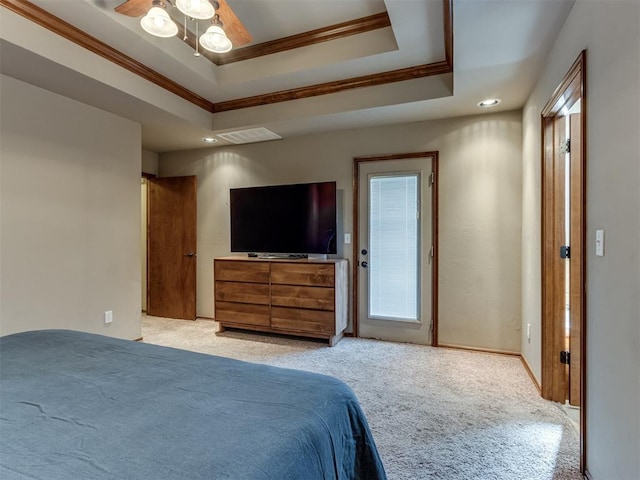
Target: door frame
570,89
357,161
146,177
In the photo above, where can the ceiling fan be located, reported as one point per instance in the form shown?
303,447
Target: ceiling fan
221,13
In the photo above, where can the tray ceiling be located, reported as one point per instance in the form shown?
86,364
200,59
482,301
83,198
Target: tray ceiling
310,65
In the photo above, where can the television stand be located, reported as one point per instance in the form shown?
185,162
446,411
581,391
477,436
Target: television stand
304,297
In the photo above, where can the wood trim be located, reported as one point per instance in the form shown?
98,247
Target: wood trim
420,71
583,319
434,232
58,26
435,242
395,156
337,86
529,370
354,248
578,256
325,34
448,32
525,364
480,350
569,89
149,176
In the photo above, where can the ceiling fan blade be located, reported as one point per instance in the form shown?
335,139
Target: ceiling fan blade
134,8
233,27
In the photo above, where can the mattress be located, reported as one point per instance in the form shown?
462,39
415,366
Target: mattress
81,406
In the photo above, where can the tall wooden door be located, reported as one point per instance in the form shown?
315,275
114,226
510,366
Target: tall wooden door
171,249
564,245
563,233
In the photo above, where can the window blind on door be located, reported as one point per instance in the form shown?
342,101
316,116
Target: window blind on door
394,238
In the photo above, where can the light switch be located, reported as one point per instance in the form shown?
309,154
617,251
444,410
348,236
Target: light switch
347,238
600,243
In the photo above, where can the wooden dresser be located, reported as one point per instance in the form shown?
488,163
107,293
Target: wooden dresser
306,297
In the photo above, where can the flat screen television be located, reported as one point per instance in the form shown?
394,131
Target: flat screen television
297,219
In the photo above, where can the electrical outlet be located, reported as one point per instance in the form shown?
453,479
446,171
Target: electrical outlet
347,238
108,316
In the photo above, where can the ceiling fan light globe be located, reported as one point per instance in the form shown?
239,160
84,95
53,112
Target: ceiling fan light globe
215,40
158,23
198,9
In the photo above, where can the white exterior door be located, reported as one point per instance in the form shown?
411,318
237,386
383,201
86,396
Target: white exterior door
394,250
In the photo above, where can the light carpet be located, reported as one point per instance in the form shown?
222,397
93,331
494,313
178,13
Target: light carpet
435,413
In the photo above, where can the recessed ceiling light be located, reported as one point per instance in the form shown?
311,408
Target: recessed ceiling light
489,102
209,140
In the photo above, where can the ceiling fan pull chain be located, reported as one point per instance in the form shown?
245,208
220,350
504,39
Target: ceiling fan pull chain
185,29
196,53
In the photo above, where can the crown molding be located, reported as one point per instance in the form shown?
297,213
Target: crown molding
325,34
56,25
328,88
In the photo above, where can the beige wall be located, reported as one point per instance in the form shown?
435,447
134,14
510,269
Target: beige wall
610,31
150,162
70,223
480,208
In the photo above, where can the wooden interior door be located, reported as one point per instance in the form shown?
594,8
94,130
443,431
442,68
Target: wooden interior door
554,340
564,116
171,247
564,224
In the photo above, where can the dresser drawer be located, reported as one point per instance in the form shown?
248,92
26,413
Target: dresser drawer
314,274
242,313
319,298
242,292
241,271
312,321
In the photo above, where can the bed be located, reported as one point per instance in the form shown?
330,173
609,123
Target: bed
81,406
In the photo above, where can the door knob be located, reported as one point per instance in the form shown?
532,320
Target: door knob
191,254
364,264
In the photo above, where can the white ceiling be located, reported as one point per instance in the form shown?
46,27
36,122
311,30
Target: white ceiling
499,47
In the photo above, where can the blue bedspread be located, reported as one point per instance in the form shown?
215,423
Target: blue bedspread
81,406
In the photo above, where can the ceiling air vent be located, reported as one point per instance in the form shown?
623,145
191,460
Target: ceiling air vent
252,135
